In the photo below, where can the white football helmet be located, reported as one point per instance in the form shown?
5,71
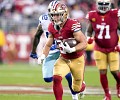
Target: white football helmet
59,9
103,6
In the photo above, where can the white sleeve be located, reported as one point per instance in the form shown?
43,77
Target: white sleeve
119,13
40,19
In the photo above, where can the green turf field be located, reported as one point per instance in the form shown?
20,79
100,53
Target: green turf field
25,74
48,97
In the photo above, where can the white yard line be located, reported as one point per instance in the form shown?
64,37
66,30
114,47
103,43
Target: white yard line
89,90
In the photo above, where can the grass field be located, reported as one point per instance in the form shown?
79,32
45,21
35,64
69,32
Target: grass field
25,74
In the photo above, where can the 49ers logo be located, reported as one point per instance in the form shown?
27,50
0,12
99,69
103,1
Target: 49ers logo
63,7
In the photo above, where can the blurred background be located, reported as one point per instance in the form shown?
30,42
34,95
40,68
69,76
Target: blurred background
18,22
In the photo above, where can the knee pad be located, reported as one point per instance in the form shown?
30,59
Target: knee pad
49,79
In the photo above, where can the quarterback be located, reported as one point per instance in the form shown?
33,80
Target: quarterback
71,59
105,22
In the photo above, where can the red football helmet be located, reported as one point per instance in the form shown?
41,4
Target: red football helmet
103,6
59,9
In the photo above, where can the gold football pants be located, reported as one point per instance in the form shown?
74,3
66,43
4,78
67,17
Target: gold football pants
103,60
75,66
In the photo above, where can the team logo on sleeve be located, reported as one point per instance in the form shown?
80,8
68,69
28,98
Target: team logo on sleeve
93,20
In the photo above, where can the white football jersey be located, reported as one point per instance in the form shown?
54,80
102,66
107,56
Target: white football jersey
45,21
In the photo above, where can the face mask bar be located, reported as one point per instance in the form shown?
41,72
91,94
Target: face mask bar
51,15
103,7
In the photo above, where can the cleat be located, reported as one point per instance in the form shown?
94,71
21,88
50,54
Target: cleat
107,96
82,94
118,90
74,97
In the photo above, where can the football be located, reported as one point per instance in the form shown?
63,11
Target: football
71,41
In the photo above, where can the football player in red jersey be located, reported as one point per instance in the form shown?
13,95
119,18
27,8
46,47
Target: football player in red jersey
105,22
71,58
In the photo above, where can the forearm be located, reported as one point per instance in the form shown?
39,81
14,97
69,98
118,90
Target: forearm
46,50
81,46
35,43
37,38
89,30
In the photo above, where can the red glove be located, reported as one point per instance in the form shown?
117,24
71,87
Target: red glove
117,48
90,40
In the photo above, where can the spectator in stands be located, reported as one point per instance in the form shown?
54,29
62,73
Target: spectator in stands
10,49
2,43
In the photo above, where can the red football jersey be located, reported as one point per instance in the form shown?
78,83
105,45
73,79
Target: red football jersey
105,28
67,31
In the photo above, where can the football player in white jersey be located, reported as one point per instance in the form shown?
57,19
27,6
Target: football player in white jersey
48,62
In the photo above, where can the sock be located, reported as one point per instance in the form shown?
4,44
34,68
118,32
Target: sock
49,79
104,83
69,80
57,87
116,76
83,87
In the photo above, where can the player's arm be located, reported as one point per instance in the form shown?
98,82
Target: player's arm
46,49
80,37
119,23
48,45
118,19
36,40
117,48
89,31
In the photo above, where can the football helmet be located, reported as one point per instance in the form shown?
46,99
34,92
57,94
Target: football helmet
103,6
57,8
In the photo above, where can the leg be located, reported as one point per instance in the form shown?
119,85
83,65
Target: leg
47,67
57,87
104,83
102,63
116,75
77,70
61,69
114,68
69,80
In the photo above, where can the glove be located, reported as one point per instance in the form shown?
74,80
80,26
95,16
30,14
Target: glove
33,55
68,49
41,58
90,40
117,48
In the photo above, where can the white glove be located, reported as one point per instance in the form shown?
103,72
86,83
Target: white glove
41,58
68,49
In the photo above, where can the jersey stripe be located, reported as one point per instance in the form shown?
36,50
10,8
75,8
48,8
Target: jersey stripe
76,27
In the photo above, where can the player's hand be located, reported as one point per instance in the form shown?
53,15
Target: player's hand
117,48
33,55
41,58
68,49
90,40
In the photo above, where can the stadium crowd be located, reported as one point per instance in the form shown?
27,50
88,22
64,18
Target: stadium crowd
21,16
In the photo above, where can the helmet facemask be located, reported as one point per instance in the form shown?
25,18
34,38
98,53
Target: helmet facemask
60,10
103,6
